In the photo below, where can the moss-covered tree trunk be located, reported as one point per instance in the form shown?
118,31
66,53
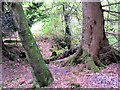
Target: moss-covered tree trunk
40,72
67,25
94,50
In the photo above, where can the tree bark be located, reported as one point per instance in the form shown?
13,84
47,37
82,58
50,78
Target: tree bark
40,72
0,33
67,25
94,49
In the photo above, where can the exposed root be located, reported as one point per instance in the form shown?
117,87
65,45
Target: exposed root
90,64
94,62
6,52
110,56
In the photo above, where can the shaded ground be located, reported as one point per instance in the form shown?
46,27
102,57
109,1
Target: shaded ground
16,74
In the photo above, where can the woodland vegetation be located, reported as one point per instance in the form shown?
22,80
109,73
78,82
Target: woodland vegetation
85,33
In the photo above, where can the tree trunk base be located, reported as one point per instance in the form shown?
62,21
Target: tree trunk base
94,62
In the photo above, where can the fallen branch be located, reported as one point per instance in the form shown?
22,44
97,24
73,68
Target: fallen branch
63,55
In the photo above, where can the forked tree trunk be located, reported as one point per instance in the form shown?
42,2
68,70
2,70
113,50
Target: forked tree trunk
94,49
40,72
67,25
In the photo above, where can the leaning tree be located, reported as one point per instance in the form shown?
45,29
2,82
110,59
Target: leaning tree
94,50
40,72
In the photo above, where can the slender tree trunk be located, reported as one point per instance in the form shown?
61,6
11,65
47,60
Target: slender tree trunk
0,33
94,49
40,72
67,26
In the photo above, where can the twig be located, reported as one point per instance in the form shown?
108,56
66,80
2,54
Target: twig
112,33
111,4
112,20
110,11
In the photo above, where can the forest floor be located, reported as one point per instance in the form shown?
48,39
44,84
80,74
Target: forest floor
17,74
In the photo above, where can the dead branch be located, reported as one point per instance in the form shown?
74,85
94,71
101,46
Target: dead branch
111,4
63,55
110,11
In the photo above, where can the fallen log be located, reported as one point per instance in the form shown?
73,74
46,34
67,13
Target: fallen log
63,55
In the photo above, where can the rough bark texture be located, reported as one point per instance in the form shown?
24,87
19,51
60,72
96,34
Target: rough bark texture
67,26
0,26
0,41
94,47
41,74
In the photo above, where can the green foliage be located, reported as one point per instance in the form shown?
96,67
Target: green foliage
31,82
72,78
35,11
17,78
22,82
10,80
75,84
76,73
49,21
112,41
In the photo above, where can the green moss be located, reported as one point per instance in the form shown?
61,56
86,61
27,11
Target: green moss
17,78
72,78
91,65
15,86
76,73
56,77
31,82
22,82
10,80
56,62
33,86
2,84
10,64
80,70
75,84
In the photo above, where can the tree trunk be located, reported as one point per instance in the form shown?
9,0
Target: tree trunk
40,72
94,49
67,26
0,33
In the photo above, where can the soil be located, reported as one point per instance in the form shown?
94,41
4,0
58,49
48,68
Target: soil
17,74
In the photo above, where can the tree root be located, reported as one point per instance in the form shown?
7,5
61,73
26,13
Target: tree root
63,55
110,56
7,52
94,62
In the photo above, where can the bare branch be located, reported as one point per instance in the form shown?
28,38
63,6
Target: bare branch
113,14
111,4
111,33
112,20
110,11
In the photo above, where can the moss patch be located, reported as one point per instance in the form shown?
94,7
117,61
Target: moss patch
75,84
